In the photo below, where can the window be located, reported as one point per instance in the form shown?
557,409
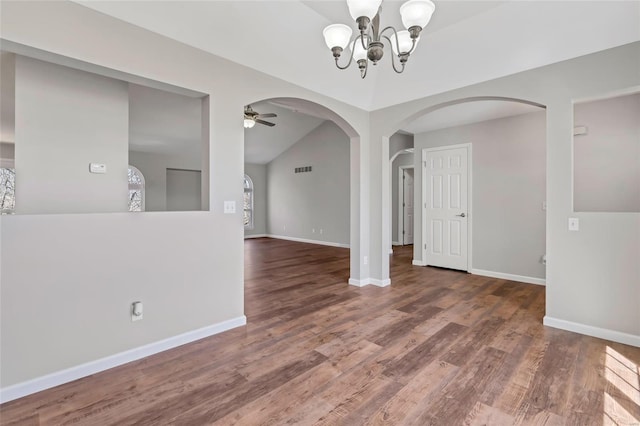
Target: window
136,190
7,190
248,203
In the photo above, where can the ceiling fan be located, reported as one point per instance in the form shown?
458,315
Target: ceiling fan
252,117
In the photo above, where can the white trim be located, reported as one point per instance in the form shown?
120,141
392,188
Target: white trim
358,283
390,251
395,243
305,240
83,370
469,148
589,330
380,283
511,277
401,170
372,281
416,262
255,236
391,160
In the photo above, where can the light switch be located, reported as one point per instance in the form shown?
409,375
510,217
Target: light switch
574,224
97,168
229,207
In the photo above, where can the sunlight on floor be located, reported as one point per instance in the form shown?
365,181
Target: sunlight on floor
624,375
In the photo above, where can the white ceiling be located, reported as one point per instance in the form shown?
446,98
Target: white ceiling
466,42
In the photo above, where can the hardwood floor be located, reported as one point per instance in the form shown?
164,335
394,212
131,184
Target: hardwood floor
438,347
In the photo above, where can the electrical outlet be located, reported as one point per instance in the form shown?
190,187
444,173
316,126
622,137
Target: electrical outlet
574,224
320,231
136,311
313,230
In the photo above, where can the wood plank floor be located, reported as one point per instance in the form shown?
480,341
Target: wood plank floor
438,347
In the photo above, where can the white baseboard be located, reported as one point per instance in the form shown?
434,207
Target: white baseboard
396,243
358,283
70,374
255,236
367,281
305,240
416,262
602,333
511,277
380,283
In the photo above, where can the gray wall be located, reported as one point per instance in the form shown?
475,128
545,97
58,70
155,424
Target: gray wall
606,161
197,276
399,142
592,275
184,190
400,160
508,179
258,175
7,96
82,118
154,169
300,203
7,154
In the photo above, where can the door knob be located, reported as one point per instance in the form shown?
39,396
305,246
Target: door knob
461,215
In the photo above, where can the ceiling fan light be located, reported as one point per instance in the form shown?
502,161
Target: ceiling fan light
337,35
416,13
404,41
368,8
249,123
360,52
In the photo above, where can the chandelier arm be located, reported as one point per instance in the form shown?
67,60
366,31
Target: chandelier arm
353,44
413,40
393,58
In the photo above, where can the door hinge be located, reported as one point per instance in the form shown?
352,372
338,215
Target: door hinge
425,246
402,204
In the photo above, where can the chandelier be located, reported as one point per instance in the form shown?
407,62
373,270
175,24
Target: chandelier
368,46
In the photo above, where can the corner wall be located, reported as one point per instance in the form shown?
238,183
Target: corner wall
311,205
593,274
139,256
508,181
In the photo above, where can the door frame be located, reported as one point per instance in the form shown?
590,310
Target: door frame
401,170
423,181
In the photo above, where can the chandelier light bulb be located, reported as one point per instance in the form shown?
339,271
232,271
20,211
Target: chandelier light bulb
337,35
360,52
404,41
416,13
368,8
249,123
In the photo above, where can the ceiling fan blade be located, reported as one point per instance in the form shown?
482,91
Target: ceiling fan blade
267,115
266,123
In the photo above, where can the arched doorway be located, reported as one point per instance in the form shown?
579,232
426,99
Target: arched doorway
505,217
296,119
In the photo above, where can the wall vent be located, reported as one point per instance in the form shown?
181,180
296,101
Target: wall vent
304,169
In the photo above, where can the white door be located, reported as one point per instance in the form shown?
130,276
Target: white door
407,206
445,187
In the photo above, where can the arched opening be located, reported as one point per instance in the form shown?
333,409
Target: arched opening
303,160
500,230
